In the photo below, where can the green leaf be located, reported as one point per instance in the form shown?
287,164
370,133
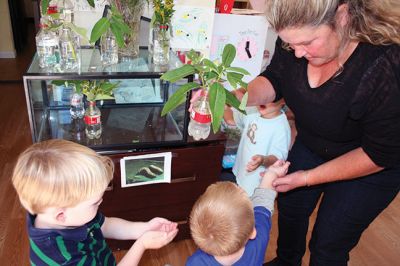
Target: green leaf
45,5
79,30
178,73
233,101
238,69
59,82
209,64
199,68
217,98
78,86
103,97
194,56
210,76
99,29
176,98
119,37
108,86
228,55
243,84
90,96
91,2
234,79
153,19
120,24
244,101
55,16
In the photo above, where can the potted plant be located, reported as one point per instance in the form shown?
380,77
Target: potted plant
132,11
114,22
67,36
94,90
212,77
160,32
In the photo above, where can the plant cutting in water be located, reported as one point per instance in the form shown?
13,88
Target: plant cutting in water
113,21
212,77
163,12
94,90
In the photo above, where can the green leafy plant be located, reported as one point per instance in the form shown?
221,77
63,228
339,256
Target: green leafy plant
54,22
115,22
45,4
212,76
163,12
94,90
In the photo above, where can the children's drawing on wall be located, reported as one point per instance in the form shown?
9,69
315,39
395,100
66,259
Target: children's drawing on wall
247,34
192,27
217,44
146,169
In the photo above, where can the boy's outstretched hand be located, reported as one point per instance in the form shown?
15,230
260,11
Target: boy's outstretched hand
276,170
280,168
161,224
157,239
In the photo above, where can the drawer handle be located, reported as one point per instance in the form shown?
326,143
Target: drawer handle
184,179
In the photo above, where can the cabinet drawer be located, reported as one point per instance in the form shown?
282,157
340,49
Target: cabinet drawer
192,170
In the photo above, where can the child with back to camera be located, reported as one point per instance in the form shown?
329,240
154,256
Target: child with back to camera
229,227
266,137
61,185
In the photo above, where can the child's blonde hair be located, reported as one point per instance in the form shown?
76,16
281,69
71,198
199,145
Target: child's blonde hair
222,219
59,173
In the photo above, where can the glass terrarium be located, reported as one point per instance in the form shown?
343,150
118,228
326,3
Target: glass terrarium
130,121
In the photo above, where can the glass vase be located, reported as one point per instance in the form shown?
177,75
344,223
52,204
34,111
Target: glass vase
108,49
161,44
131,11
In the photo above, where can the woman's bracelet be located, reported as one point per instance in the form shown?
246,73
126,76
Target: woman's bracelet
306,178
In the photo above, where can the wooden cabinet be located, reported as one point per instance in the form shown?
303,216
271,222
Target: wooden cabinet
193,169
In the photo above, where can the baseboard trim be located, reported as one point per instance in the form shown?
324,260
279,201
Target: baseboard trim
8,54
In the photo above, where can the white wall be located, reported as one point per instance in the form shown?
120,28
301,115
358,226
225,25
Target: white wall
7,49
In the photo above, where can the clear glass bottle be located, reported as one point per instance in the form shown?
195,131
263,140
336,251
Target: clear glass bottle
77,109
161,44
69,50
46,46
108,48
92,120
200,117
66,9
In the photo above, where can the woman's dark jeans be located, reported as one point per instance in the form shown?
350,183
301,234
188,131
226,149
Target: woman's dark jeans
346,210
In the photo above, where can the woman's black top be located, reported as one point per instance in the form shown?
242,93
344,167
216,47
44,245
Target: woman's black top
358,108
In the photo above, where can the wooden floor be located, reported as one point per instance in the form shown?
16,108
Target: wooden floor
379,245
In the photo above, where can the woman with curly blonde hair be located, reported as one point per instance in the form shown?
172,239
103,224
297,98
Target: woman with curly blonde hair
337,65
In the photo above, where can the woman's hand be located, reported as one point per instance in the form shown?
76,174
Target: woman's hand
239,93
290,181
